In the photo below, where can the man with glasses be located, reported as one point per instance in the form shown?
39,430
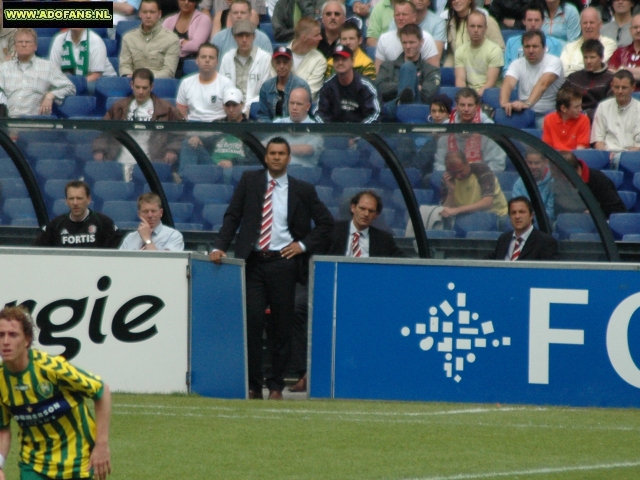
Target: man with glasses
32,84
334,15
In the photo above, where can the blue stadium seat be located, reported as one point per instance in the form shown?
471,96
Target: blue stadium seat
412,113
47,32
631,237
483,235
173,191
507,180
115,63
54,189
206,193
44,46
189,67
106,190
629,165
49,150
624,224
447,77
508,33
13,188
326,195
388,216
351,177
55,170
112,46
94,171
253,110
24,222
123,27
18,208
616,176
477,221
193,227
163,171
423,197
585,237
102,32
449,92
536,132
111,87
80,83
441,234
59,207
491,96
213,215
267,29
436,183
523,119
629,199
181,212
389,181
237,171
307,174
129,225
110,101
194,174
8,169
166,87
569,223
332,158
77,106
349,192
598,159
121,210
334,142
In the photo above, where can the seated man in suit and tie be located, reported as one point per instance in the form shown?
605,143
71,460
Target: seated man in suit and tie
351,238
357,237
525,242
275,213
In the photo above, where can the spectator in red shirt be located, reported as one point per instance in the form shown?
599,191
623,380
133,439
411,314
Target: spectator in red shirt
628,57
567,128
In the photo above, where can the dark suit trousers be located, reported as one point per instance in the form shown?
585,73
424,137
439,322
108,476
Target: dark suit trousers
270,282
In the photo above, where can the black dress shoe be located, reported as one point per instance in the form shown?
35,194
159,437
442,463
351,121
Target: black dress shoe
275,395
253,395
300,386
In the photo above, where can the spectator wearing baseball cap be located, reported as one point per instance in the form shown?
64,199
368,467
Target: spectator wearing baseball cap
274,93
347,96
351,36
247,66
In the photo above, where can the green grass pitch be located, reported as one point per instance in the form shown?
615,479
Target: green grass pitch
176,437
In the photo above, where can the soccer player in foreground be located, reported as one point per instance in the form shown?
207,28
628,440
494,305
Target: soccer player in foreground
59,437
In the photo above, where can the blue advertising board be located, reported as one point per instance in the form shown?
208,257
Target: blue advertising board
218,348
512,332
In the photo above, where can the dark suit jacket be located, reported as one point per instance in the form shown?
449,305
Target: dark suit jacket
539,246
381,243
245,211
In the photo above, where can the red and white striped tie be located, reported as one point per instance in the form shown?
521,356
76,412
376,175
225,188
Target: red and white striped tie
516,249
267,218
355,245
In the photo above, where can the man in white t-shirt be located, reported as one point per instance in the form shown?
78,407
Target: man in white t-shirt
538,76
200,96
389,44
79,51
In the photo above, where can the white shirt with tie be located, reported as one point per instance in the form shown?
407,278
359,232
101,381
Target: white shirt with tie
512,245
364,240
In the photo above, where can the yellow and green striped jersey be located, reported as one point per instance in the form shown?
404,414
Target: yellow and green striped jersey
57,430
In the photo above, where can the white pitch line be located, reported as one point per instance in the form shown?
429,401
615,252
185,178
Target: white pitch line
537,471
345,412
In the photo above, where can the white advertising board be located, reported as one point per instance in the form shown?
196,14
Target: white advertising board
120,315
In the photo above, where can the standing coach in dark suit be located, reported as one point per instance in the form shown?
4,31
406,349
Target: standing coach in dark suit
369,242
274,212
525,242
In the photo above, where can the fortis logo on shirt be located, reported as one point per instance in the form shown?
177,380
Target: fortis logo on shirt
68,239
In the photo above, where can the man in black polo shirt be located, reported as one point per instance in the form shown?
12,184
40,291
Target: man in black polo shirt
81,227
